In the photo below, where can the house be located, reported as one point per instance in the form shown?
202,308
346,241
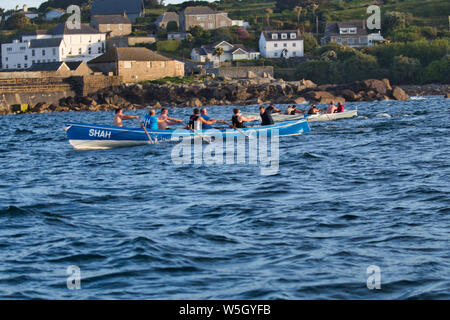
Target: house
204,17
176,36
232,52
281,44
54,45
29,14
137,64
54,14
352,34
133,8
114,25
51,69
165,18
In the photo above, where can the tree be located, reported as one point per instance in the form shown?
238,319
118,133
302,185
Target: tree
298,11
404,70
395,20
218,52
309,42
172,26
17,21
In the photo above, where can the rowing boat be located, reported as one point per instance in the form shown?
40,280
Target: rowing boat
84,136
311,118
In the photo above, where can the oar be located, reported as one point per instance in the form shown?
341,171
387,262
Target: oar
149,138
196,133
240,131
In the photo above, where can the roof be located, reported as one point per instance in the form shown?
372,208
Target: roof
332,28
102,7
209,49
73,65
46,43
111,19
62,29
129,54
49,66
168,16
268,35
198,10
56,9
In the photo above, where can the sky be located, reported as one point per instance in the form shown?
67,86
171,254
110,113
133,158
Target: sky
11,4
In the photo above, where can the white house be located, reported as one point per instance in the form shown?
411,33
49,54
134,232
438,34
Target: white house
281,44
57,44
232,52
53,14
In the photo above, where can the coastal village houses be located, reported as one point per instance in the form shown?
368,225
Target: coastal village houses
132,8
114,25
137,64
27,13
281,44
352,34
232,52
205,17
57,44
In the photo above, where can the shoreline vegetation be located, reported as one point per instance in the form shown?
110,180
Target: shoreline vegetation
215,92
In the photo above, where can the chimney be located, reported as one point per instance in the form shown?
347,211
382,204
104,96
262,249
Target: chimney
25,8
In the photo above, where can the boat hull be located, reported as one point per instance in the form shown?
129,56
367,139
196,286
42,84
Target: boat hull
311,118
84,136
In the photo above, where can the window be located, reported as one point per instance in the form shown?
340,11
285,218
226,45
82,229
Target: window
339,40
293,36
6,58
39,61
54,60
6,66
43,52
294,44
25,65
79,50
201,18
274,36
285,45
89,50
362,40
211,25
127,64
22,48
120,26
54,51
99,50
276,54
294,53
351,40
19,66
108,27
275,45
25,57
33,53
8,49
284,36
352,30
33,61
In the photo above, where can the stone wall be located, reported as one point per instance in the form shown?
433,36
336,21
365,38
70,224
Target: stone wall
242,72
135,71
132,41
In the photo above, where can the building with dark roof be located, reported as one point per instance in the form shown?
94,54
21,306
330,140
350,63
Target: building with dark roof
352,34
114,25
281,44
132,8
137,64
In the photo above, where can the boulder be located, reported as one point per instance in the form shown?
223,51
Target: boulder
319,97
399,94
379,86
195,103
299,100
349,95
251,75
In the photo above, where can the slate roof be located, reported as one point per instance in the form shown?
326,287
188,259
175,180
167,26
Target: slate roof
198,10
73,65
111,19
332,28
62,29
104,7
129,54
167,17
46,43
268,35
48,66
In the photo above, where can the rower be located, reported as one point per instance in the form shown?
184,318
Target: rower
238,119
151,121
340,108
266,116
119,117
313,110
273,109
331,108
166,121
206,120
294,111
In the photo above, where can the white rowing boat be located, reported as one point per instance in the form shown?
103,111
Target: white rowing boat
311,118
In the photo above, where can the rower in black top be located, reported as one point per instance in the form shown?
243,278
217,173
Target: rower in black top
266,115
238,120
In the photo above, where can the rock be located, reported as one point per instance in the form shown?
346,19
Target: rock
378,86
195,103
349,95
319,97
251,75
308,83
388,84
399,94
299,100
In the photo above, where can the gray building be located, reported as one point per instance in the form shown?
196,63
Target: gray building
352,34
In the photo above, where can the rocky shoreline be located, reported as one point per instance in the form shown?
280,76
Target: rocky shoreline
235,92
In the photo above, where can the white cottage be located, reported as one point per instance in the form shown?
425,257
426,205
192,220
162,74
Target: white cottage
232,52
281,44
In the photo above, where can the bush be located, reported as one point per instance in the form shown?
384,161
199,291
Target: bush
309,42
437,71
404,70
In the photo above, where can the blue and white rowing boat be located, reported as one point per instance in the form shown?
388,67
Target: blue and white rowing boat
84,136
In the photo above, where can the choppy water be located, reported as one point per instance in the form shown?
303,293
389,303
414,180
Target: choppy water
353,193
